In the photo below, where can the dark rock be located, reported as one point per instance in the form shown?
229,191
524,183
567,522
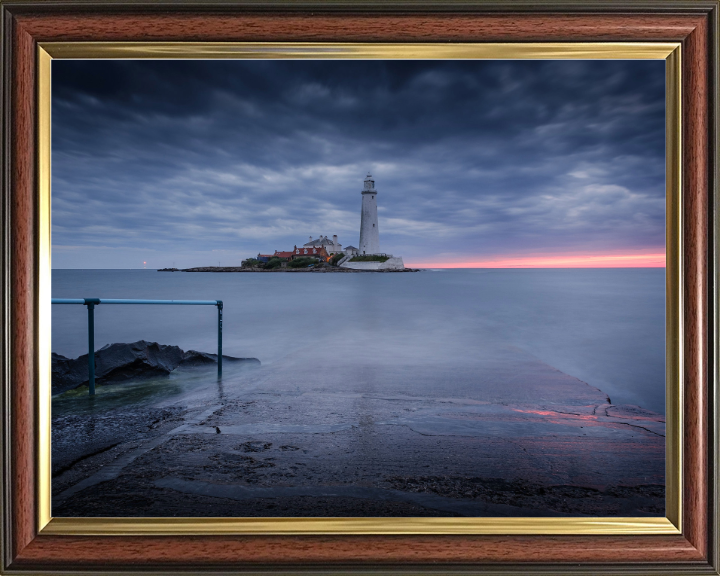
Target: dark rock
120,362
68,373
116,362
195,358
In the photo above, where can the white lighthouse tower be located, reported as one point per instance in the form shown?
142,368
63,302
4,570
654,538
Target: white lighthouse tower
369,232
370,238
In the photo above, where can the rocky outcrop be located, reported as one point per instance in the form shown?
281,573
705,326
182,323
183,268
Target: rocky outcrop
68,373
121,362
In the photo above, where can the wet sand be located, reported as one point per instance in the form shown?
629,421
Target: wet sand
506,435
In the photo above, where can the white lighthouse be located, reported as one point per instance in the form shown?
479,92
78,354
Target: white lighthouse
369,232
370,238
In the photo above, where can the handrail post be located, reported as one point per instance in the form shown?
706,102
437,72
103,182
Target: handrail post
90,303
220,312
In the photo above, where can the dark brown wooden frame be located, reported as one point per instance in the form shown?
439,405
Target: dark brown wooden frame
693,23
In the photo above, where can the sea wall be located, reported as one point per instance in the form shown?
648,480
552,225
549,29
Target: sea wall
394,263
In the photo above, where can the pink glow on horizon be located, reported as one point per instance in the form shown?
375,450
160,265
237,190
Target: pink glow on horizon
556,261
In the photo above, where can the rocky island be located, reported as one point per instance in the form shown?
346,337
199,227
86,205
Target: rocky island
319,269
324,254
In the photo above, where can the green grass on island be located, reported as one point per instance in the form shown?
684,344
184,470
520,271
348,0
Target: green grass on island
302,262
307,261
369,258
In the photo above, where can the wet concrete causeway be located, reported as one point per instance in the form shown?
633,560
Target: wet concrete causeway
507,436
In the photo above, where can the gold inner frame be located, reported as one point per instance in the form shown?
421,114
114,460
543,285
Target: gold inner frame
668,51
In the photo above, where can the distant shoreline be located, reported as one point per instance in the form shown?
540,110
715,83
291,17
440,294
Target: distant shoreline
322,270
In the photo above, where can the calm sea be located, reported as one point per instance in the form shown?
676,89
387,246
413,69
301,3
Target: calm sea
603,326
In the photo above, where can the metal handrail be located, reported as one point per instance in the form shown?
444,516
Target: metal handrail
92,302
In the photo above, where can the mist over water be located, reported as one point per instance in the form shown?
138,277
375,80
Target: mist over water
603,326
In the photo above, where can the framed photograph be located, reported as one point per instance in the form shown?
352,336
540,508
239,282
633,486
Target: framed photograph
377,287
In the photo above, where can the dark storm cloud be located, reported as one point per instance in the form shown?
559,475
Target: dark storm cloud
471,159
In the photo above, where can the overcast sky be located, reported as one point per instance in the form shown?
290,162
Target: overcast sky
476,163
